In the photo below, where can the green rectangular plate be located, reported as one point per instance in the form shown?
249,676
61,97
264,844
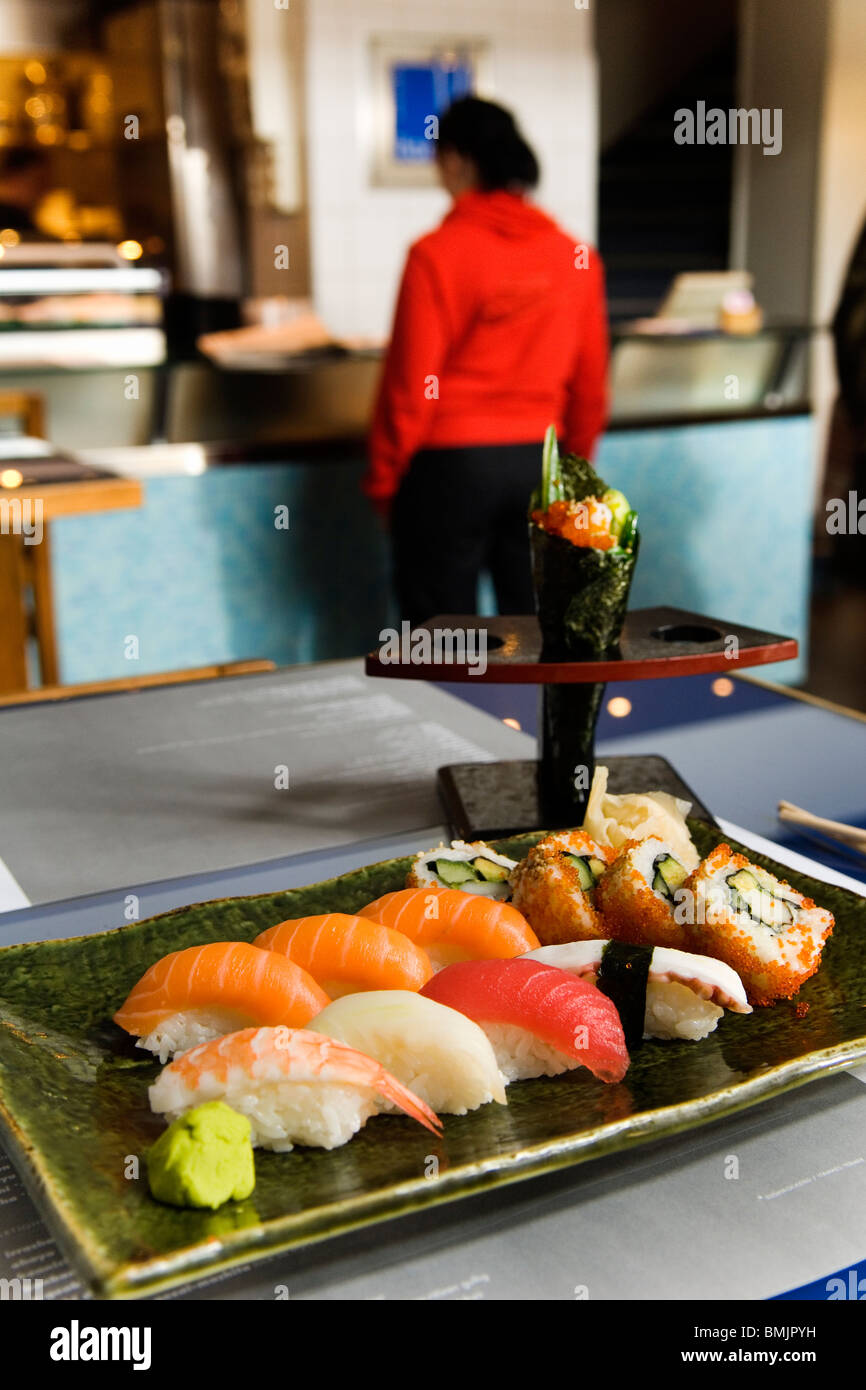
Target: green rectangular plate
74,1112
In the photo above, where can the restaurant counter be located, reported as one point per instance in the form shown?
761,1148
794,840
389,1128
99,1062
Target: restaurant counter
272,551
266,548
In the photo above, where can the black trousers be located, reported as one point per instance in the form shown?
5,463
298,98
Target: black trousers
459,511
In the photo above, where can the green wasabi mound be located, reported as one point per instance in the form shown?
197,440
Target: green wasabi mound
203,1159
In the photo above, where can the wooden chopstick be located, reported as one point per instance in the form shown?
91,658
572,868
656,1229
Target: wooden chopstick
837,830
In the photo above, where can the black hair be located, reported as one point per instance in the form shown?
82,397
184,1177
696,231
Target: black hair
488,135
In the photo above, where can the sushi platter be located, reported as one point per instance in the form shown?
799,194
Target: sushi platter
420,1058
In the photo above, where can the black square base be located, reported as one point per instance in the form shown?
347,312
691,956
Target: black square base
488,801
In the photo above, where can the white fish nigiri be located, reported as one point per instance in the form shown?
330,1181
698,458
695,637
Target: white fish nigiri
441,1055
686,994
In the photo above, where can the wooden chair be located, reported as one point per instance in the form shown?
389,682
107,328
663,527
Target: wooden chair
27,407
19,568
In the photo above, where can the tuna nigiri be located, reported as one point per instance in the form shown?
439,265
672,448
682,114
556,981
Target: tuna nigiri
441,1054
191,996
347,954
295,1087
540,1020
454,926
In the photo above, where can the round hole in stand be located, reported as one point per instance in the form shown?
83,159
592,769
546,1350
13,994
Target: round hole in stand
686,632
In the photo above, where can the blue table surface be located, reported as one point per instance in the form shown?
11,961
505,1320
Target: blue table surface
815,758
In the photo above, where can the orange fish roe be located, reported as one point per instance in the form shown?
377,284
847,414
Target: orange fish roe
585,523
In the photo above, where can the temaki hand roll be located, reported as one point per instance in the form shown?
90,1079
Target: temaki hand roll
584,542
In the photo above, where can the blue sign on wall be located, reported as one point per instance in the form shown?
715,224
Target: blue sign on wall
422,90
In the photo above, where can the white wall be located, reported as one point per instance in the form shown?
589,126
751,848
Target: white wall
541,65
841,201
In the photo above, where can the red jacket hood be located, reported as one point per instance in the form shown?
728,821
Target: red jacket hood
506,214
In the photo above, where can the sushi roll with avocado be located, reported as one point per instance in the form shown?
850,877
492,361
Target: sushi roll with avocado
763,928
638,895
555,887
474,868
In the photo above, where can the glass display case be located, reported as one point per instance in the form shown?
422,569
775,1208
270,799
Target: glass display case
78,306
708,374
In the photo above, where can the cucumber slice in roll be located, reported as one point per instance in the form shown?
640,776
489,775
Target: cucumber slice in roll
455,871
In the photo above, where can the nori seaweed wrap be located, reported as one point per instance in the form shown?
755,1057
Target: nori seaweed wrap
581,590
583,559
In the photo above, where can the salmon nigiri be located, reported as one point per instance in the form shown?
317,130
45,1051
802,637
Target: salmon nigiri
191,996
346,954
294,1087
452,925
540,1020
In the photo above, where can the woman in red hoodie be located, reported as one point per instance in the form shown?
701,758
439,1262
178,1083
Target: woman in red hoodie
500,329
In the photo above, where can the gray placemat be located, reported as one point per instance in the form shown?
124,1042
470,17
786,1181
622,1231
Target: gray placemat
104,792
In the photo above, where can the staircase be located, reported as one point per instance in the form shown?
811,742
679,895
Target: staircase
664,208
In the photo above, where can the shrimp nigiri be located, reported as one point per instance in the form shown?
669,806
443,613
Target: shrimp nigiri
454,926
346,954
191,996
540,1020
295,1087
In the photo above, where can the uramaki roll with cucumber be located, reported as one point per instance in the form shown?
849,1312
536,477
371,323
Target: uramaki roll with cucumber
584,542
638,895
473,868
555,887
763,928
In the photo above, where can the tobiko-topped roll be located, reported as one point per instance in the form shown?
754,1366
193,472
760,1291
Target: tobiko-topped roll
639,896
763,928
554,887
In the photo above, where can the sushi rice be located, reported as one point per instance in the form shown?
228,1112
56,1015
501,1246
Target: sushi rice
521,1055
189,1028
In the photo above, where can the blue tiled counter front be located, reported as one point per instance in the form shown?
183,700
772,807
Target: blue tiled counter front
201,573
726,520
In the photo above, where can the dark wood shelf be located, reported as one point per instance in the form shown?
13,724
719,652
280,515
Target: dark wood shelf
655,643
